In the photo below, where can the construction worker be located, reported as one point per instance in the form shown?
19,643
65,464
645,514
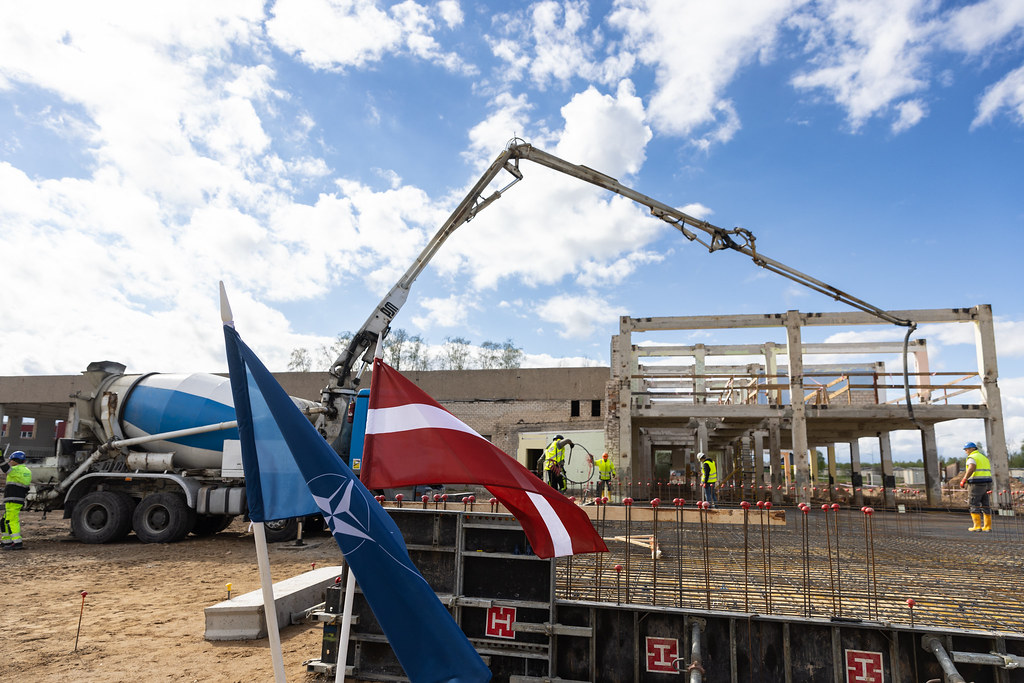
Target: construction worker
18,479
708,478
979,473
606,470
554,461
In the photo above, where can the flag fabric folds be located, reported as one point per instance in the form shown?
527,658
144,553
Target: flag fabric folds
411,440
428,643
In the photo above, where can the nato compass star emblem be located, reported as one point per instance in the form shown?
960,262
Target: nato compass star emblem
346,514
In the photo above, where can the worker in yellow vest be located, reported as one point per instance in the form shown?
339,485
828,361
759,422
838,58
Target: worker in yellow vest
19,477
979,474
605,470
554,462
708,478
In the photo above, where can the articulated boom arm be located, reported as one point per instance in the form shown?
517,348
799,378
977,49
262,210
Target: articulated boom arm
344,382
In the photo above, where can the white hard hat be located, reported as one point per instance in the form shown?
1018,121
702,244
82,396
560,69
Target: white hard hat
700,455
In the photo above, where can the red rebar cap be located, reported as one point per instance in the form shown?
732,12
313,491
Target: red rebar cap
911,603
835,506
767,505
618,567
337,579
84,594
760,504
627,501
745,505
655,502
465,499
494,501
472,499
825,507
437,497
605,500
444,496
425,498
399,497
869,511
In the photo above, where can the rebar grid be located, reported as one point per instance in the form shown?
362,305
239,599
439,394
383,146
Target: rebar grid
859,566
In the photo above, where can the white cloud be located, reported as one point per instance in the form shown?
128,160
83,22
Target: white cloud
333,36
696,49
872,52
450,311
549,42
579,316
909,114
1007,94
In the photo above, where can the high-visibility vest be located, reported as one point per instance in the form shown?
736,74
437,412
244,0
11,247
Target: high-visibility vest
712,474
18,479
606,468
982,467
553,455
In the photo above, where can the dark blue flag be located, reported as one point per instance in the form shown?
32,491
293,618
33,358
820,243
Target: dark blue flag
428,643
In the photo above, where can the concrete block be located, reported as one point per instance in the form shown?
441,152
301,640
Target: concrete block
242,617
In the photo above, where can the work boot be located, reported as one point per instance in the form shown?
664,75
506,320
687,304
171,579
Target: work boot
977,522
16,546
988,523
6,545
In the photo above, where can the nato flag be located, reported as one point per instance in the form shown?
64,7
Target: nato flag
428,643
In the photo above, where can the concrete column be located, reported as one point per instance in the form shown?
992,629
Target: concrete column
775,457
995,435
796,399
832,471
702,436
622,366
771,368
700,387
932,476
856,478
888,479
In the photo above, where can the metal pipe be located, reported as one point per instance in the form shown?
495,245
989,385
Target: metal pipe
696,663
932,644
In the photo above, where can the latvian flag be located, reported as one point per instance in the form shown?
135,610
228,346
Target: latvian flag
411,440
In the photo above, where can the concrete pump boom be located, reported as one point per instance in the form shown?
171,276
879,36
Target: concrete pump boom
344,381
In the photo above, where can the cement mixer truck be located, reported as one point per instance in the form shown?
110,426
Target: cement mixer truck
156,454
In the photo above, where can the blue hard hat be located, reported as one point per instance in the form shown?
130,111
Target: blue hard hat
970,445
17,455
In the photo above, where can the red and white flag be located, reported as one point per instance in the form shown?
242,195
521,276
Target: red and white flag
411,440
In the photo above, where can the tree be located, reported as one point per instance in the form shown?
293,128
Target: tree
394,344
511,355
454,353
489,355
300,361
417,356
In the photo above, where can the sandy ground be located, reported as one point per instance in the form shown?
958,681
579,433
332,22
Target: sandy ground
143,618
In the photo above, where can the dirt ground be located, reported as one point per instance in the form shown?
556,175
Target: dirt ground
143,618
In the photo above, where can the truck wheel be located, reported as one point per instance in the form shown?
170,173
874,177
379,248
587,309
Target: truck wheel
102,517
281,530
163,518
208,525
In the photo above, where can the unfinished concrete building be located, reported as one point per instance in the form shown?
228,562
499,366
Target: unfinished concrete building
667,402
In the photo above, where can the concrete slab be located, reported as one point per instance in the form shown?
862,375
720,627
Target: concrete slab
242,617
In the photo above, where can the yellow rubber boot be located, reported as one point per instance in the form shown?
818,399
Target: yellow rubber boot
977,522
988,523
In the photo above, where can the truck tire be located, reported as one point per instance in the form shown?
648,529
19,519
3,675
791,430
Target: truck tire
163,518
102,517
208,525
281,530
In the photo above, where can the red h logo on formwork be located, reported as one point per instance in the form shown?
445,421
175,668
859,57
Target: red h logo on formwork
864,667
662,654
499,622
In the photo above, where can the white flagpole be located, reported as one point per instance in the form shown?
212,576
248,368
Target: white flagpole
269,607
346,628
262,555
350,589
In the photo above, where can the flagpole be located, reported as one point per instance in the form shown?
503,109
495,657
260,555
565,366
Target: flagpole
346,628
350,589
269,607
262,555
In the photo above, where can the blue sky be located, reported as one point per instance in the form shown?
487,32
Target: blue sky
303,152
